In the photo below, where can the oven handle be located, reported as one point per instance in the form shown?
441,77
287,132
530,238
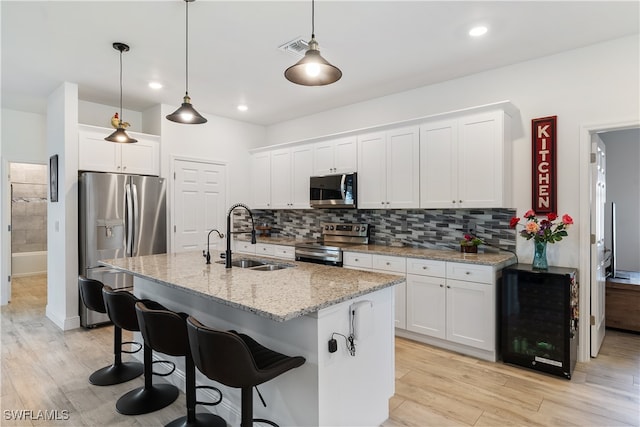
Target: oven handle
322,254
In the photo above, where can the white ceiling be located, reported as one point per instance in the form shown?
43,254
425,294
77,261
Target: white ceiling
382,47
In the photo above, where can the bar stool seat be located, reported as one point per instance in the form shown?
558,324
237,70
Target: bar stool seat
151,397
119,372
237,360
166,331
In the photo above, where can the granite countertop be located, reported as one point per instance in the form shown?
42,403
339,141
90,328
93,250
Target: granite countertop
497,260
279,295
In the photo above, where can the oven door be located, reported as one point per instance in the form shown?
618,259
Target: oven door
319,255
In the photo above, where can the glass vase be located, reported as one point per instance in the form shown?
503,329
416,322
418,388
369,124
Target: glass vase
540,256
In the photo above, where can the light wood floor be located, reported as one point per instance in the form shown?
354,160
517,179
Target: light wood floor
45,369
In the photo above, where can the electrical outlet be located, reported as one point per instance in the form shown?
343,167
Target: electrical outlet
470,228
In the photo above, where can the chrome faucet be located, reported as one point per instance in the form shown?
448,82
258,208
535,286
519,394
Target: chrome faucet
227,254
207,255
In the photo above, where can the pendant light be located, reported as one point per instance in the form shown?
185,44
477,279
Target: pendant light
120,135
186,113
313,69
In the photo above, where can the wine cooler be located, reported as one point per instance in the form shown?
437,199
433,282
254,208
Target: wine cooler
539,318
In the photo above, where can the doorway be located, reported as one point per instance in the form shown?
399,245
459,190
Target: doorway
591,296
28,191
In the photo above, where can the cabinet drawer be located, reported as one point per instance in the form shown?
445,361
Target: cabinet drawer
470,272
245,247
357,260
286,252
264,249
426,267
389,263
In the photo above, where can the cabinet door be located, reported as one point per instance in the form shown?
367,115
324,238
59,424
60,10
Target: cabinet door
141,158
323,158
426,305
265,249
471,314
439,165
357,260
403,168
372,179
301,165
345,155
400,306
96,154
261,180
281,178
480,160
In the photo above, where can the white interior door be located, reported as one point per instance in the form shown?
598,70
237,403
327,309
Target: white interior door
598,276
198,204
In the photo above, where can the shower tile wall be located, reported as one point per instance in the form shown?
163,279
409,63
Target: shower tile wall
28,207
422,228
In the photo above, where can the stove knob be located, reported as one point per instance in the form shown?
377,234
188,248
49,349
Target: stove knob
331,227
357,228
364,228
326,227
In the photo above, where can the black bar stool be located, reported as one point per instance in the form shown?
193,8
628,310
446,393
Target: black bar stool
120,307
119,372
237,360
166,331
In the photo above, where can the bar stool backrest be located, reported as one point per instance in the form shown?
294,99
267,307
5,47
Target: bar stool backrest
91,294
121,309
163,330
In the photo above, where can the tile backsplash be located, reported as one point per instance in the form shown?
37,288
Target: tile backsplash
423,228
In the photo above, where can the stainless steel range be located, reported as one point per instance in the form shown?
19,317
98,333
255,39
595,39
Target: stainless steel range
335,238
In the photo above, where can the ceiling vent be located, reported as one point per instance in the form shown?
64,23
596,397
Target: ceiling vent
297,47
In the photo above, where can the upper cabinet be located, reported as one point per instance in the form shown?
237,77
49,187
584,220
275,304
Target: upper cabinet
290,173
280,178
388,169
261,180
335,156
96,154
466,162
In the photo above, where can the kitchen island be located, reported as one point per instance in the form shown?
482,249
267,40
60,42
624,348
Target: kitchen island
295,311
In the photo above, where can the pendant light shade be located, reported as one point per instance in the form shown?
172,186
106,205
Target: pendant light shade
186,114
313,69
120,135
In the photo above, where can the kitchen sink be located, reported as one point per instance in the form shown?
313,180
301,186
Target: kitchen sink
257,265
271,267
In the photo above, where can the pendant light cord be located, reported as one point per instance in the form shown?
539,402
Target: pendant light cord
313,19
120,119
186,56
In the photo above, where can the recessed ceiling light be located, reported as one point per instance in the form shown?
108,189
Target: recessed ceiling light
242,107
155,85
478,31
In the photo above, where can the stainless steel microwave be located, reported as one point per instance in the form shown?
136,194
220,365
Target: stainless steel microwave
334,191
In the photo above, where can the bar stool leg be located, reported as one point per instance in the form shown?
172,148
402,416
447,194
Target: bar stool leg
118,372
149,398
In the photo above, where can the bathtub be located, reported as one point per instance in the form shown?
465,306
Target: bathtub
28,263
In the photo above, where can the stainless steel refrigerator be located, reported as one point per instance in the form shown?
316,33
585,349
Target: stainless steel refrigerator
119,216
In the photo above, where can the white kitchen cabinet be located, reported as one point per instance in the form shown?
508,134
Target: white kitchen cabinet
383,264
261,180
426,297
471,314
96,154
244,247
335,156
388,169
284,252
466,162
290,172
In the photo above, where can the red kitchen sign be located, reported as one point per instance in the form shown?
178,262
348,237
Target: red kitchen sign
543,138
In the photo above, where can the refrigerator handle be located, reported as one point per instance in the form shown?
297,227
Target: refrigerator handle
135,218
128,221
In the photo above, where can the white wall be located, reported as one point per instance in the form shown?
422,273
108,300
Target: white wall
623,188
22,139
596,84
90,113
62,221
220,140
